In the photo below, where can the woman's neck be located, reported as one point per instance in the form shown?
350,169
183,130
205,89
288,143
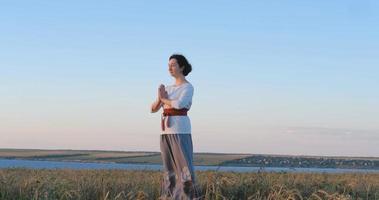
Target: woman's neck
180,80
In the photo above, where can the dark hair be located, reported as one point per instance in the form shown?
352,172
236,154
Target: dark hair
182,62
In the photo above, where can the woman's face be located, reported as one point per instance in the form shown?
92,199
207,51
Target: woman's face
173,68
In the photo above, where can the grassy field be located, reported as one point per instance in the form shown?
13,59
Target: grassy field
111,156
225,159
125,184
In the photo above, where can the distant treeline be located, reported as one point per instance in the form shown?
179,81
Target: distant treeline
322,162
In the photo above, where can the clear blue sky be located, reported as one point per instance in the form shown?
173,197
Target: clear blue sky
271,77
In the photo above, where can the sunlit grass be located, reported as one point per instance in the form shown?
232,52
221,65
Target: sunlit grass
127,184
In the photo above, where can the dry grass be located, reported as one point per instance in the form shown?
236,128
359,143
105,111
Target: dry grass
127,184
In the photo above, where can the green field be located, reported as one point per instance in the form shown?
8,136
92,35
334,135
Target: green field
126,184
224,159
111,156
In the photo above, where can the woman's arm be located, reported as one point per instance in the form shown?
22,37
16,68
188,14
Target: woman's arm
156,106
166,101
158,103
163,97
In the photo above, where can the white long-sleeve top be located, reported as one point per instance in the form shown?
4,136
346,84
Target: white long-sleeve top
181,97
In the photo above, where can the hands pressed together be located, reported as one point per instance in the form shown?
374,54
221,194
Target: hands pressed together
162,93
162,99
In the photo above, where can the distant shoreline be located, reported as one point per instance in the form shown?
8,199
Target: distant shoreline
216,153
200,158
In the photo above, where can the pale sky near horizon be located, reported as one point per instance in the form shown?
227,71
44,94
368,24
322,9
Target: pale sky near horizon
270,77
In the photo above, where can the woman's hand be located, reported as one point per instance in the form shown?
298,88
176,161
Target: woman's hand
163,96
158,103
162,93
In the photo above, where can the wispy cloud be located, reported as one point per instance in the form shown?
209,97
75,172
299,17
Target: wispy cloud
335,132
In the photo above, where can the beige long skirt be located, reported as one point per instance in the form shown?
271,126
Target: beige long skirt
179,181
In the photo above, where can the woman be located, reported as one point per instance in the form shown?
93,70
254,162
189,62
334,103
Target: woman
175,140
